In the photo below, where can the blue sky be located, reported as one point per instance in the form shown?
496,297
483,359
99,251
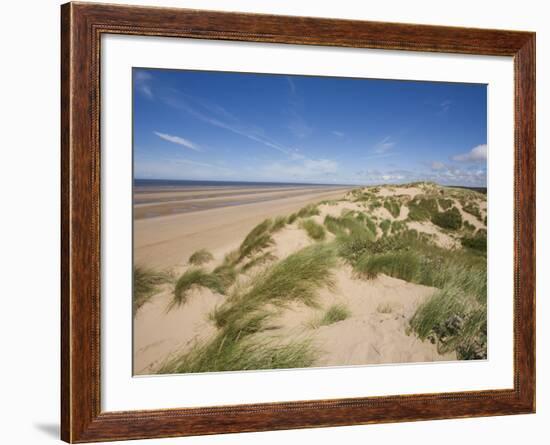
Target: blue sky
274,128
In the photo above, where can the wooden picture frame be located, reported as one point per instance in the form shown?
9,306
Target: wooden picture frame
82,25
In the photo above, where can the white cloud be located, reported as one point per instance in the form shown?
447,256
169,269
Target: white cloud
436,165
380,155
291,84
298,126
338,133
445,105
476,154
142,81
305,169
188,161
219,117
178,140
445,176
384,145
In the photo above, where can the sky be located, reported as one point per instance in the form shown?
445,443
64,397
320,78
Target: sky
204,125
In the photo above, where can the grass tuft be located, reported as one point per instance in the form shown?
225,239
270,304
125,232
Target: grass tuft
296,278
259,238
404,265
393,206
385,226
456,316
278,223
146,283
307,211
384,308
334,314
315,231
258,261
195,277
421,209
200,257
240,352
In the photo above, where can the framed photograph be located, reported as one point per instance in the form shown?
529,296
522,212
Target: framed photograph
275,222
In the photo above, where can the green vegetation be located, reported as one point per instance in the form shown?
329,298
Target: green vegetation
278,223
472,208
296,278
456,316
200,257
226,273
385,226
351,245
351,221
468,226
449,219
258,261
334,314
401,264
315,231
384,308
393,206
445,203
291,218
358,195
307,211
146,283
259,238
374,204
398,226
236,349
421,209
477,242
195,277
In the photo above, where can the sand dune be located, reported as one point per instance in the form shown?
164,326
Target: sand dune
375,331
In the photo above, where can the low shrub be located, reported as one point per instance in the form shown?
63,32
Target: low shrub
449,219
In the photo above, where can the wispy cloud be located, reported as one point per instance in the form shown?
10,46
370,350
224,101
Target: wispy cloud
476,154
200,164
305,169
384,145
179,141
297,125
445,106
291,84
436,165
142,81
338,133
295,164
381,155
221,118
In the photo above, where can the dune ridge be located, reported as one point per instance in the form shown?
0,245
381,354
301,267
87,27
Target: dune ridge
371,275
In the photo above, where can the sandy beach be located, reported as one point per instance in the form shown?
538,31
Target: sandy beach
213,218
